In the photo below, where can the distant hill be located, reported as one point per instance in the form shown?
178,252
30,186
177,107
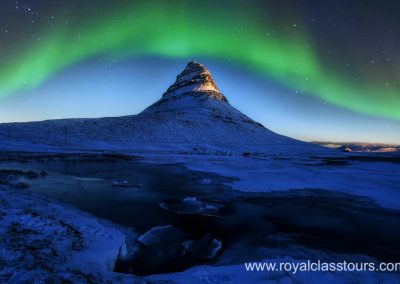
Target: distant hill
360,147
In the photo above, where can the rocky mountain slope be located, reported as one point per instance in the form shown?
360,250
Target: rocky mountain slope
192,116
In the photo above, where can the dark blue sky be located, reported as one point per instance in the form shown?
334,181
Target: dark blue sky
313,70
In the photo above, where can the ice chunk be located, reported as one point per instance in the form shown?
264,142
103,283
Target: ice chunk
162,234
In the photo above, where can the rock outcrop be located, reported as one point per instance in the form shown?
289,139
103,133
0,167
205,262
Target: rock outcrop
195,78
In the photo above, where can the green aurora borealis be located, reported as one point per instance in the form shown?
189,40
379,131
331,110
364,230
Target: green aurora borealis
241,34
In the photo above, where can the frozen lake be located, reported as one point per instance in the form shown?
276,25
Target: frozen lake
252,226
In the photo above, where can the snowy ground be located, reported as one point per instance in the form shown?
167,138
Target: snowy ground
376,178
45,241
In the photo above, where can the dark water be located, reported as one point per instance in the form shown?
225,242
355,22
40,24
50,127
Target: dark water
252,227
89,186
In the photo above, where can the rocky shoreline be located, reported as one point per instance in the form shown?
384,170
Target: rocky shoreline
44,241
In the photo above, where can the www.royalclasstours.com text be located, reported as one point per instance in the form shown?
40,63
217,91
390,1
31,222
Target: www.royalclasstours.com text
314,266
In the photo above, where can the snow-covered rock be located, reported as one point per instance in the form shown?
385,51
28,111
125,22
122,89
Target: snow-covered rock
162,235
195,78
43,241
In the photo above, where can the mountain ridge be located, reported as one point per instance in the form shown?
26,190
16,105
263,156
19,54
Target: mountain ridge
195,78
191,114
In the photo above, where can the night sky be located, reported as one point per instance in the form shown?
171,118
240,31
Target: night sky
313,70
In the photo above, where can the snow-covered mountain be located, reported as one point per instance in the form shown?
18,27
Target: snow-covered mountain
192,115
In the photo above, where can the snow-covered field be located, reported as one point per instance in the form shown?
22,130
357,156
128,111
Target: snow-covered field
377,178
47,241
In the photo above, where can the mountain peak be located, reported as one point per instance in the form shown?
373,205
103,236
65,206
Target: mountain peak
195,78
